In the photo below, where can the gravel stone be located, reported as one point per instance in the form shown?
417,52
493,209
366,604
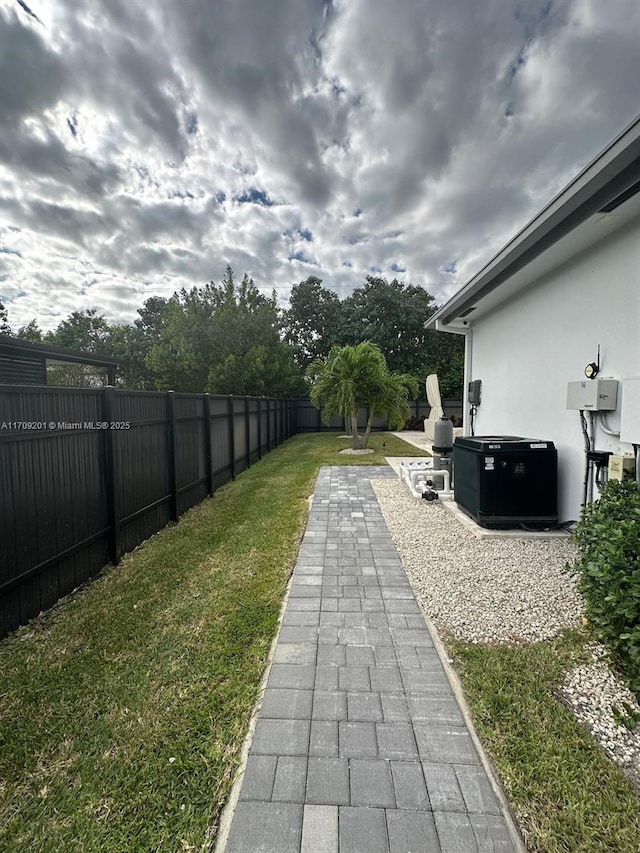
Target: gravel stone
592,692
507,591
480,590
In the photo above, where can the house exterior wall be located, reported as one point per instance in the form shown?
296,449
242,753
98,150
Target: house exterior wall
528,348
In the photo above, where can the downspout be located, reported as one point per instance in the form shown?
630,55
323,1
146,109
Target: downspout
468,367
468,375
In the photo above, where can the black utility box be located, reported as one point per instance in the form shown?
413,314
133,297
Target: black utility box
506,481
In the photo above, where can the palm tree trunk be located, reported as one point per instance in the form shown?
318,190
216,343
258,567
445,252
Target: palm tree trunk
354,429
367,432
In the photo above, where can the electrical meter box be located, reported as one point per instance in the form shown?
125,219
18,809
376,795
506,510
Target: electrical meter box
595,395
506,481
474,392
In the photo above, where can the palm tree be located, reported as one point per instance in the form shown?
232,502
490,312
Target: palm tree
355,376
391,400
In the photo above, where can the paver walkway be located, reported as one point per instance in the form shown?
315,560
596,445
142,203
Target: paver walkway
360,746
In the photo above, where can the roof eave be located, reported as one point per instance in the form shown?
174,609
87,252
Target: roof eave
17,345
607,175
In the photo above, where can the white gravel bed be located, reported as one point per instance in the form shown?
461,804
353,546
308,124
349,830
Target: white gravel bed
507,590
592,691
480,590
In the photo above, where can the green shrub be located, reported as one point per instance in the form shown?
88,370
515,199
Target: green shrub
608,535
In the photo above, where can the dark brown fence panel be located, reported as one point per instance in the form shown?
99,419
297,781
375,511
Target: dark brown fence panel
220,445
309,417
254,429
191,450
269,422
143,481
291,418
75,495
453,407
240,435
53,513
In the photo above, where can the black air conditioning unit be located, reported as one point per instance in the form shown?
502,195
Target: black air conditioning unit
506,481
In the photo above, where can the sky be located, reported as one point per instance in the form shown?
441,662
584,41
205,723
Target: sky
145,146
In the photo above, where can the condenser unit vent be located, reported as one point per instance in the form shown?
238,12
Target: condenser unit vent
506,481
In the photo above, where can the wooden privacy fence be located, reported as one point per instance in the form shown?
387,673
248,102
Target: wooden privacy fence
88,474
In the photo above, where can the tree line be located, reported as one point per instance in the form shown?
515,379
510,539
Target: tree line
229,338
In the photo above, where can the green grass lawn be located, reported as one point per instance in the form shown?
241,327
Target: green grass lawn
123,710
568,795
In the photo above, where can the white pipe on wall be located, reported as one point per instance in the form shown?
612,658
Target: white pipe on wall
468,376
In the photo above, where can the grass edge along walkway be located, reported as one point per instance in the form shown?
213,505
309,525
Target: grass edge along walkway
123,709
566,793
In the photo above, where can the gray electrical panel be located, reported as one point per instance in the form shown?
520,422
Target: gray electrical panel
630,415
595,395
474,391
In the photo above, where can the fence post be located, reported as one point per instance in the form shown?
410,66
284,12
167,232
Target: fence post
319,418
112,482
232,438
268,424
275,423
247,431
259,427
208,449
173,456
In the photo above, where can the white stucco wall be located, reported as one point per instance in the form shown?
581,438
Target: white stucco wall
529,348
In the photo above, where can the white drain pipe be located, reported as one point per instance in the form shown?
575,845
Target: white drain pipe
416,481
444,493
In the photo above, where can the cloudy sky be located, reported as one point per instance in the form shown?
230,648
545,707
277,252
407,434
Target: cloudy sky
143,146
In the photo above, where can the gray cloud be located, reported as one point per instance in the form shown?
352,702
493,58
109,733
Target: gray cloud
129,132
32,76
33,158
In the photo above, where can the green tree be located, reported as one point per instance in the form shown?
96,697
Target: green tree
355,376
30,332
5,328
86,331
312,320
151,316
129,346
226,339
391,400
393,316
181,355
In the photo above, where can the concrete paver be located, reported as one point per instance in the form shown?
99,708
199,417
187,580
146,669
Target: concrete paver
360,745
